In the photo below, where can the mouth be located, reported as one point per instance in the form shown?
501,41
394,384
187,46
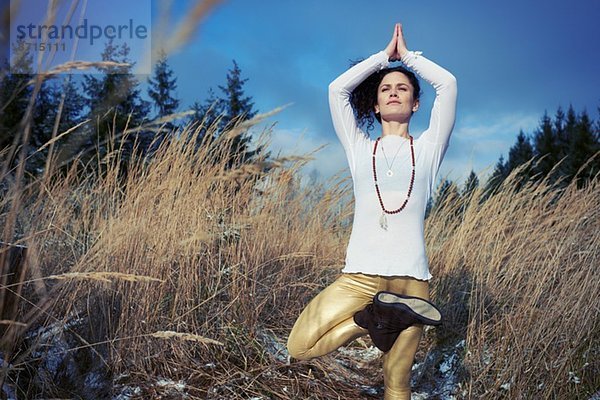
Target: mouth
393,102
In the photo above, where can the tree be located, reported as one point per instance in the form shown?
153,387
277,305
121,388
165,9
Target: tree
561,129
161,90
162,87
46,104
496,178
15,92
114,102
469,188
71,113
519,154
470,185
546,145
571,139
226,112
583,144
237,108
447,195
66,111
208,113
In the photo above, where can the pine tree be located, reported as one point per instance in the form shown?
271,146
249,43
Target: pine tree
470,185
46,104
583,144
70,114
114,101
561,129
447,195
546,147
208,113
162,87
237,108
519,154
569,126
73,104
161,90
226,112
469,188
15,93
496,178
570,139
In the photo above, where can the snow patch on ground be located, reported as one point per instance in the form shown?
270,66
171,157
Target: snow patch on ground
596,396
273,345
127,392
369,354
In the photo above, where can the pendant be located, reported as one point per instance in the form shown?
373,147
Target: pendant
389,172
383,221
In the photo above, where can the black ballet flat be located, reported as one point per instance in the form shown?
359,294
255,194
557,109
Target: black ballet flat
391,313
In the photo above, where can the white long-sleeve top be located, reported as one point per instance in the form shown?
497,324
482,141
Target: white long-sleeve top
399,250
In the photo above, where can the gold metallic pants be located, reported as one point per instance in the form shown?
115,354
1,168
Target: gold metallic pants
326,324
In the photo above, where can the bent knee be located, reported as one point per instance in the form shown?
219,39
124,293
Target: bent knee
297,349
303,355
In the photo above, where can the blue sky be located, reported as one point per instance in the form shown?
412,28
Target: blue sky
513,60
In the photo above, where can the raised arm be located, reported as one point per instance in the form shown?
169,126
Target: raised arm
342,114
443,112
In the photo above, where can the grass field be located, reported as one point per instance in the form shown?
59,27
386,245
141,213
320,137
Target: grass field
182,270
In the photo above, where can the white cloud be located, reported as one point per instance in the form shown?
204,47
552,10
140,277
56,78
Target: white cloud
327,162
476,144
478,126
479,140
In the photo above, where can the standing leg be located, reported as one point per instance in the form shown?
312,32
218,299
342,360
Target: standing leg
397,363
327,321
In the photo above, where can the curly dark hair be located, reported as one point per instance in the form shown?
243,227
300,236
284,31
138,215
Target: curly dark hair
364,97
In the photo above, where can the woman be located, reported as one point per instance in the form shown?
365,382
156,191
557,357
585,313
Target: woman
383,289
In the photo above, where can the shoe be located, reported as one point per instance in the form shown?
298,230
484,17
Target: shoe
422,310
391,313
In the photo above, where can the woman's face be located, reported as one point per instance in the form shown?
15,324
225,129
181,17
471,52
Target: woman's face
395,97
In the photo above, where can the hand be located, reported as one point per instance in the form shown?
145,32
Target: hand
401,48
392,47
396,48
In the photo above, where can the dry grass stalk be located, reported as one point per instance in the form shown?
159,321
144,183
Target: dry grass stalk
10,322
70,66
185,336
104,277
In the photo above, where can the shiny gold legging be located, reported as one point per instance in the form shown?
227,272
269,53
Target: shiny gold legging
326,324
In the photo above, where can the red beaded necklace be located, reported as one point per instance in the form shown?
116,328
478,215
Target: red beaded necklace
383,219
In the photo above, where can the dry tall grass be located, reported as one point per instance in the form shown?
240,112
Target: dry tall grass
232,252
181,266
518,276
